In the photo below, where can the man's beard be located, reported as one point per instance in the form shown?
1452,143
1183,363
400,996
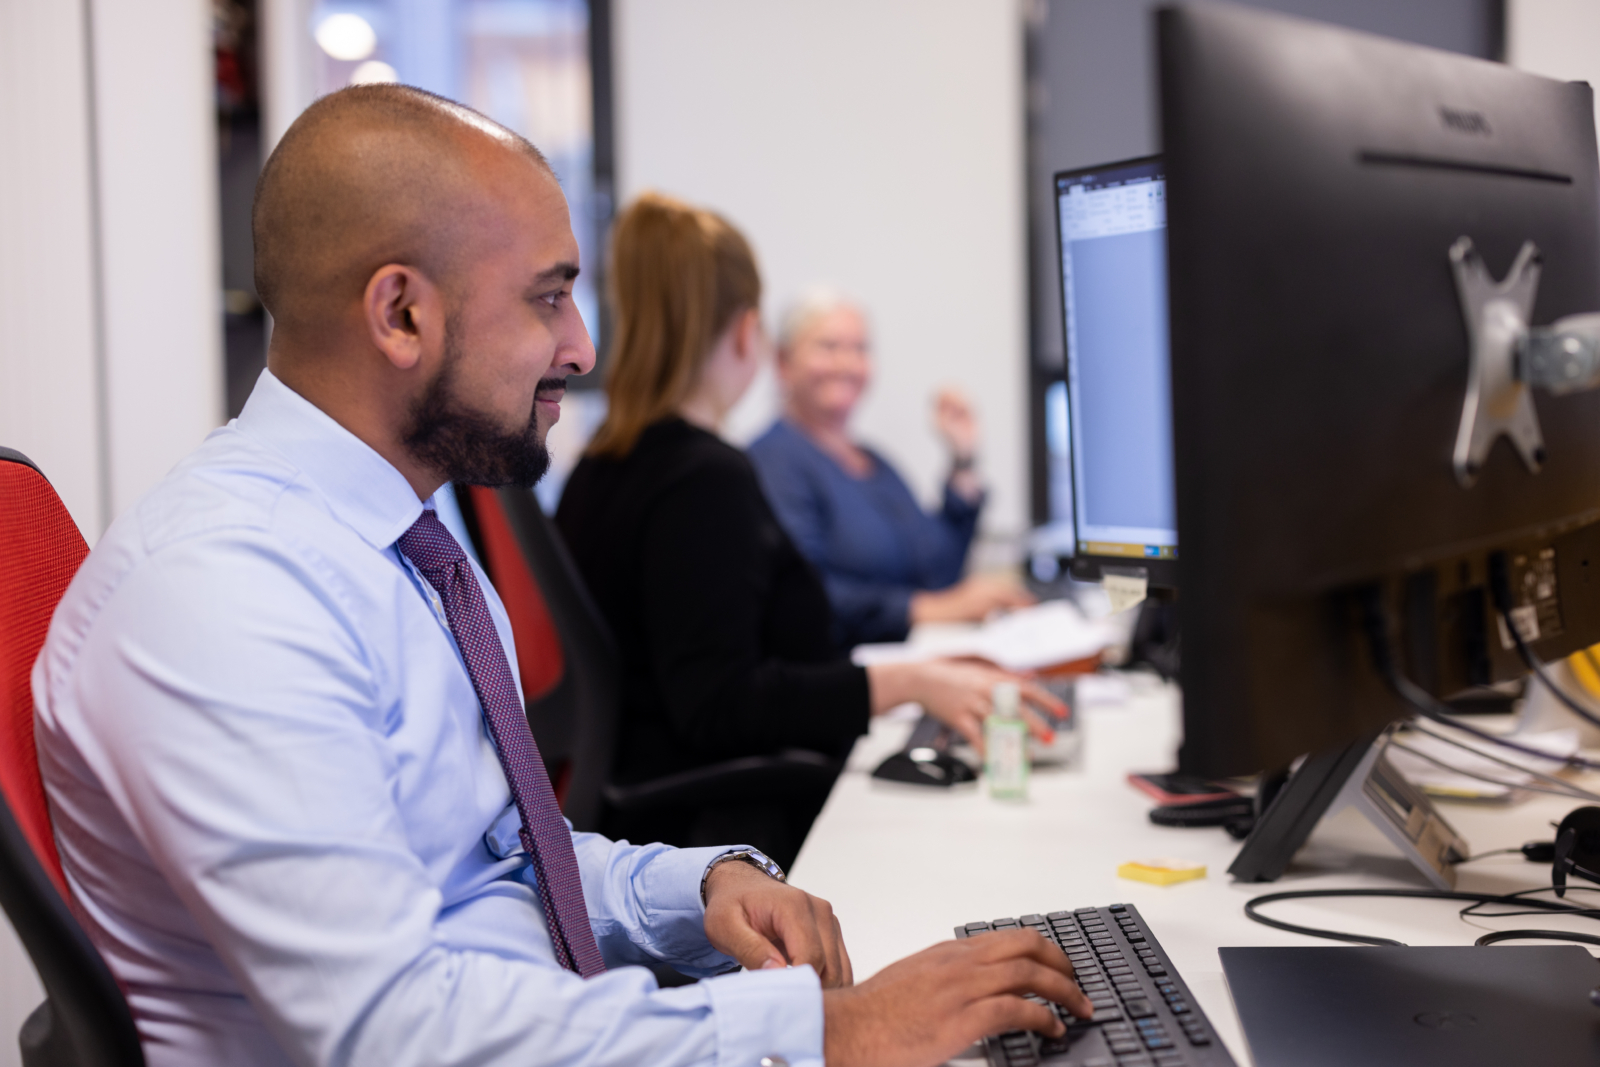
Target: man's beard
464,445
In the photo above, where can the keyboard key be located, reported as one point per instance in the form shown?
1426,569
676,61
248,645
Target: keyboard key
1139,1008
1156,972
1154,1042
976,928
1169,1059
1123,1048
1111,1015
1179,1007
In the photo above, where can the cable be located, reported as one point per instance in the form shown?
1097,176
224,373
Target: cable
1377,626
1500,592
1463,746
1491,852
1569,793
1537,935
1542,908
1252,909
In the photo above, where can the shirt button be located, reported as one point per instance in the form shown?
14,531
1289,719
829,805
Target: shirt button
774,1061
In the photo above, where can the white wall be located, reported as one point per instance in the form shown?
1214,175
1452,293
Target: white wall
48,352
1556,38
110,328
876,144
160,246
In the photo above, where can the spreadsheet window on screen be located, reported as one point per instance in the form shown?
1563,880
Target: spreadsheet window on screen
1114,293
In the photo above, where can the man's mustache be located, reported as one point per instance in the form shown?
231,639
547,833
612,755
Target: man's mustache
551,388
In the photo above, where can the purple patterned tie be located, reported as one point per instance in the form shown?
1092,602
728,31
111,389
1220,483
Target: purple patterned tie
436,554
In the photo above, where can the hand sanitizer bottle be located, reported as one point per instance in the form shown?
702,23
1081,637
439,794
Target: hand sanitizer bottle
1005,736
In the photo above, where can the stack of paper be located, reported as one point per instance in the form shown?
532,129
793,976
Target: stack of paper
1030,639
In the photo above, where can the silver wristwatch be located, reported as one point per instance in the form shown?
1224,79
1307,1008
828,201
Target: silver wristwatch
759,860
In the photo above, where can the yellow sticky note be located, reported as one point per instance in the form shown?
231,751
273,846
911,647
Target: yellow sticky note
1161,872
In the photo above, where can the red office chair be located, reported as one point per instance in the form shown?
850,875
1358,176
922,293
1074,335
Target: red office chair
84,1020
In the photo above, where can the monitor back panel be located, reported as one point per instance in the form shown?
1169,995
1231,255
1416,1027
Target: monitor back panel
1317,178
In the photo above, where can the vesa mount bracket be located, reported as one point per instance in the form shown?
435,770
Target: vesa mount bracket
1509,358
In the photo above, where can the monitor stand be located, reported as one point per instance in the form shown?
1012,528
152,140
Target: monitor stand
1359,776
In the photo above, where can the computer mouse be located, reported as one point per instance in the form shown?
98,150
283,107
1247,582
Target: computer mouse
925,766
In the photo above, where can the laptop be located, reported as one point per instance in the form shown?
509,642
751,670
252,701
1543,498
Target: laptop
1441,1006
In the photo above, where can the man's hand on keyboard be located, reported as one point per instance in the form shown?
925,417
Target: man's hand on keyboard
764,923
928,1007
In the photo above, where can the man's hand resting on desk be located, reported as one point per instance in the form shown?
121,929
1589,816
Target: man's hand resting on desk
969,600
928,1007
764,923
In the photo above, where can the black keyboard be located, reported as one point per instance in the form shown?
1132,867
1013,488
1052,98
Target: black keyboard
1144,1015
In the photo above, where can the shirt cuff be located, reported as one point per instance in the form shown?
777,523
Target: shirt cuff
767,1013
670,882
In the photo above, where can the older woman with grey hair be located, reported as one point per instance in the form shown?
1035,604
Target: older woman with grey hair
886,563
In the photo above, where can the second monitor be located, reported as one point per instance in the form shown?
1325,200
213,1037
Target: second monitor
1111,420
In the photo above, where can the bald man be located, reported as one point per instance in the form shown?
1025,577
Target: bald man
277,713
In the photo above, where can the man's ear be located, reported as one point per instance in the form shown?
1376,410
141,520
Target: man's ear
403,313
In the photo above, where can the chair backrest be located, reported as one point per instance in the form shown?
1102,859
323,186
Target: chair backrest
84,1020
574,716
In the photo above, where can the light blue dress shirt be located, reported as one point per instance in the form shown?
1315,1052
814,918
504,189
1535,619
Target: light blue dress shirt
282,816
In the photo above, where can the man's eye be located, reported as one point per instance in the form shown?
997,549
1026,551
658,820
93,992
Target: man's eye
554,299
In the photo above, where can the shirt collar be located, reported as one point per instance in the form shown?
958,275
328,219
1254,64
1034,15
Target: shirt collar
362,488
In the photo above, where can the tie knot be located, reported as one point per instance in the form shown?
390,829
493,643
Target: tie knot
429,545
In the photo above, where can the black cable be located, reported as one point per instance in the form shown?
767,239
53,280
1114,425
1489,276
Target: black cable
1252,912
1491,852
1536,935
1376,622
1542,906
1500,593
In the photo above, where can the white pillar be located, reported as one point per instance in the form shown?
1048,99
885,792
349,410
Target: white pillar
160,255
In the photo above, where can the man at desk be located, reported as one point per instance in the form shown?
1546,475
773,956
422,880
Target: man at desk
293,788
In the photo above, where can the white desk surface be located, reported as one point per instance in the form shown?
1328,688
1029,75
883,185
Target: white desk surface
904,864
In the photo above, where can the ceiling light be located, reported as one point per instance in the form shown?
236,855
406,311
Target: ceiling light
346,36
373,71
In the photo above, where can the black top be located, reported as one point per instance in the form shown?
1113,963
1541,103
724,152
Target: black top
723,627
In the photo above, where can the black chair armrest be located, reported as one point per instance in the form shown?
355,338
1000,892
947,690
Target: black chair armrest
791,775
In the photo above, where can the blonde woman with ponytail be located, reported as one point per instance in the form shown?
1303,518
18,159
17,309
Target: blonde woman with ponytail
723,627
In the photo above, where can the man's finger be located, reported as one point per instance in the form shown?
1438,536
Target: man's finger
848,974
828,933
797,930
997,1014
1024,975
753,951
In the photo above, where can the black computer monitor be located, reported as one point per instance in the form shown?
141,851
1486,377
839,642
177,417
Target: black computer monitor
1114,406
1318,179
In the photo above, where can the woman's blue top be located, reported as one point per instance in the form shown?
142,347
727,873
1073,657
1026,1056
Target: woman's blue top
872,543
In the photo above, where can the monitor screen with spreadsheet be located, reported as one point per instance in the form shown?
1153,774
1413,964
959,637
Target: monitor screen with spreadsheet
1116,399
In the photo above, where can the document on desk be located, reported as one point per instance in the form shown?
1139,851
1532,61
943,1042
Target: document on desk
1030,639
